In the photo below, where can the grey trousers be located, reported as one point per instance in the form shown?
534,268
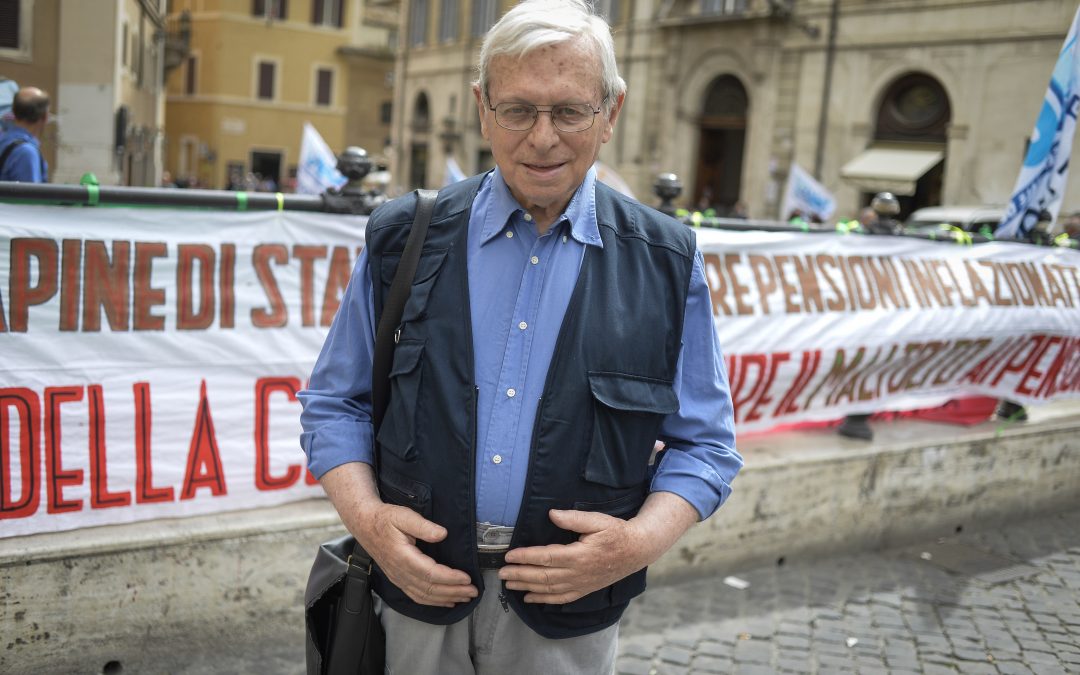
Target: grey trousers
490,641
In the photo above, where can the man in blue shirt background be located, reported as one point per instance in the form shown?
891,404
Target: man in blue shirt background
555,330
20,146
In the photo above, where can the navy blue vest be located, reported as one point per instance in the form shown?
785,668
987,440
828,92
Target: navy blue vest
608,388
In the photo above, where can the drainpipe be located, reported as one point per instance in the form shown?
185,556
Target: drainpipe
826,91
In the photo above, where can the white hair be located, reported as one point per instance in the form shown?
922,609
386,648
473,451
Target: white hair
533,24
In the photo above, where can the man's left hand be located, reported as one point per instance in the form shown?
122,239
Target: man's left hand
608,549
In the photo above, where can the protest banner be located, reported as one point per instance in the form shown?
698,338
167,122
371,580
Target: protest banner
152,357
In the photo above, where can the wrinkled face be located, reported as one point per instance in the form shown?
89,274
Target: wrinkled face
544,166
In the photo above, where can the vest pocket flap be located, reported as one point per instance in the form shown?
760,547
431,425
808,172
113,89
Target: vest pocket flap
427,273
633,394
397,489
428,266
406,357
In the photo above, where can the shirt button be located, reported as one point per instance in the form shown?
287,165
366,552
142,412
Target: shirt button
523,325
509,234
534,260
511,393
497,459
528,217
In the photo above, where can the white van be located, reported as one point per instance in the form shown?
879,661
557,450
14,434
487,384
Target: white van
967,218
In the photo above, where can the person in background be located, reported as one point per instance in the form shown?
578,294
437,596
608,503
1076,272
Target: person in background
511,501
20,146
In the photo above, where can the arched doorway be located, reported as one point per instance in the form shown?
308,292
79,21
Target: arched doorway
720,146
915,110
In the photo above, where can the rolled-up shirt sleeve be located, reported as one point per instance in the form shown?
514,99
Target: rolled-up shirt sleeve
336,417
700,461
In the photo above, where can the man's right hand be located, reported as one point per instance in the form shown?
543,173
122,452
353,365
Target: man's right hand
389,534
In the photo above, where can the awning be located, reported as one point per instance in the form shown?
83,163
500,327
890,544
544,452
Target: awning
891,167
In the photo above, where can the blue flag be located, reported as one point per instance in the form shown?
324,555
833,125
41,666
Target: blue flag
1041,183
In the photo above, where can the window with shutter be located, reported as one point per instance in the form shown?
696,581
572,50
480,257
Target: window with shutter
324,93
9,24
266,80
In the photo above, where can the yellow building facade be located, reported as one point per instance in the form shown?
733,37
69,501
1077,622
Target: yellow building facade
258,70
102,63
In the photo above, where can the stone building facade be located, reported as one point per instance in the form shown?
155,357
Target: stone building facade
934,100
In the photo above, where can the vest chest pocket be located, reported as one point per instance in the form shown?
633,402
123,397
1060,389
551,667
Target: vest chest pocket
402,491
627,412
427,271
398,431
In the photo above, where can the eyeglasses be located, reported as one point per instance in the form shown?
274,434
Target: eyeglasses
568,117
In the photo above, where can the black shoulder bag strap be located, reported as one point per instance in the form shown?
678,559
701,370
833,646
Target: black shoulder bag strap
387,333
359,637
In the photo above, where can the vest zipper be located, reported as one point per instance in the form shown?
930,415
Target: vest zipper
502,597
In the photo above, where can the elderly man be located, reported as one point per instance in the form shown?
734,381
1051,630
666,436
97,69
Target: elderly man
20,148
555,331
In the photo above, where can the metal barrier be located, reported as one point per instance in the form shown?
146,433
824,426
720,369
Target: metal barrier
106,195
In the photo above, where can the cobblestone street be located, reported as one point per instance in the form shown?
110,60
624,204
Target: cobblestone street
1004,600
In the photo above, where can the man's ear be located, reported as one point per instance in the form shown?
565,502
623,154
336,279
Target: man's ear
612,116
481,109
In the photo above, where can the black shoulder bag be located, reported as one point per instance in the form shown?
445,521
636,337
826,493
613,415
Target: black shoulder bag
343,634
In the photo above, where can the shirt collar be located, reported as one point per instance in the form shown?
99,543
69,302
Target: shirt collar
580,212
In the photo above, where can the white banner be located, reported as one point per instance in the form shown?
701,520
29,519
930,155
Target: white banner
150,369
1042,180
816,326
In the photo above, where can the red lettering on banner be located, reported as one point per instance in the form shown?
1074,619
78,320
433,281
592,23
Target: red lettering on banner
21,294
1074,289
70,284
277,315
840,371
336,281
717,284
55,474
27,408
835,303
145,492
1033,372
146,296
105,285
811,289
264,387
191,292
787,289
307,256
764,277
1050,384
757,395
204,460
808,365
187,290
978,289
226,286
1017,363
738,290
763,388
100,497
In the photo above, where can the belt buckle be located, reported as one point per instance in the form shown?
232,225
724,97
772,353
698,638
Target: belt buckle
492,556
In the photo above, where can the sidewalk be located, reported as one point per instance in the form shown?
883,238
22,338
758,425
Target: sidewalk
1003,600
223,593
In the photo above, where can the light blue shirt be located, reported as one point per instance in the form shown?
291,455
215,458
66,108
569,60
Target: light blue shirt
520,284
